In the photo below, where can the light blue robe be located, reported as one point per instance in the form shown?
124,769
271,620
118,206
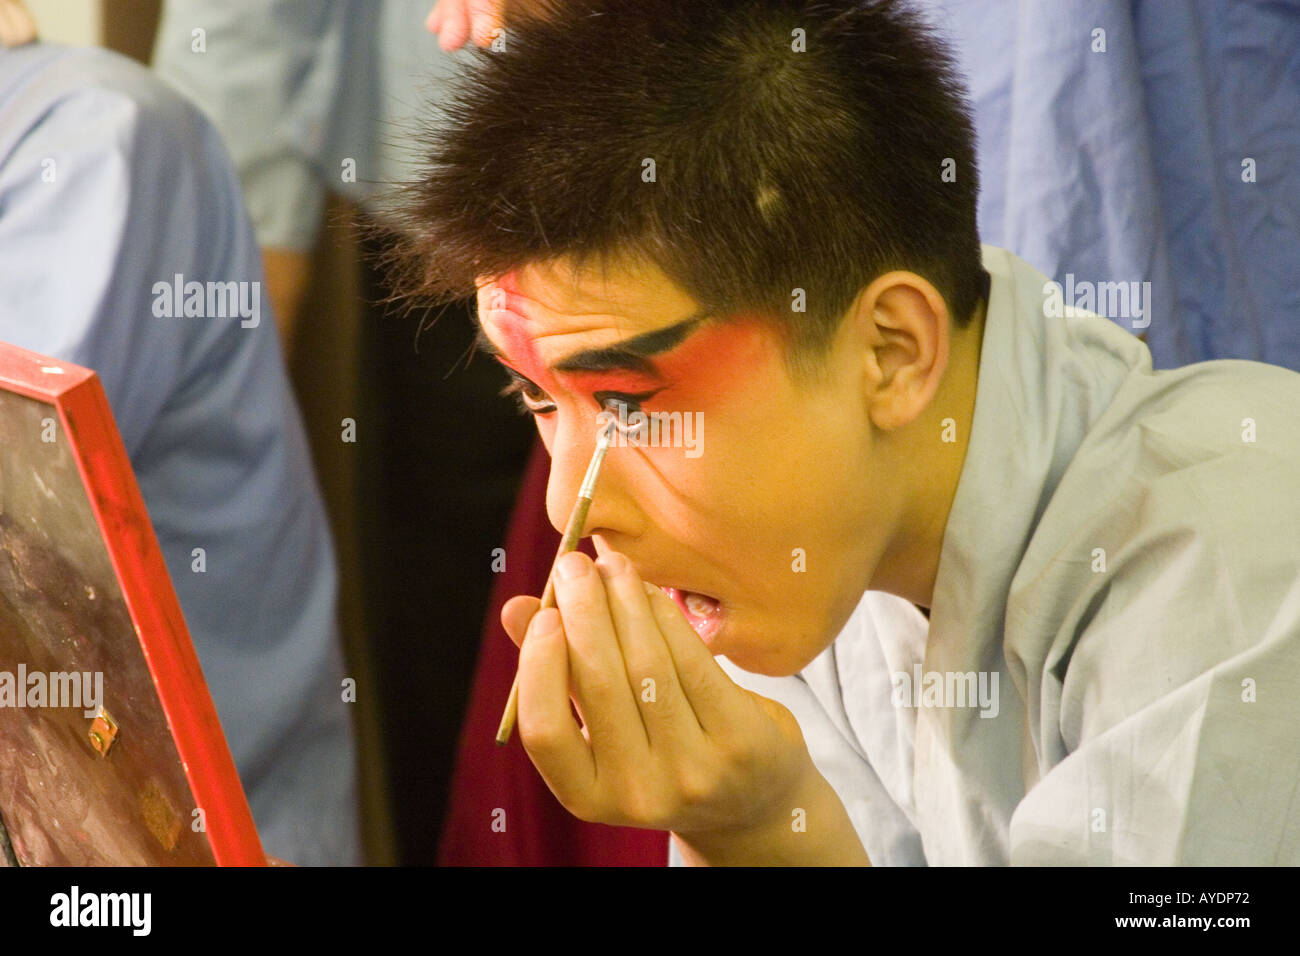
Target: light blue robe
1122,566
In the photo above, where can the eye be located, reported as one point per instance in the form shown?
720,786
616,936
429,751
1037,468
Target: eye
531,399
621,404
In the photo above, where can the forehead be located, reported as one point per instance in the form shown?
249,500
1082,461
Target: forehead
621,297
627,327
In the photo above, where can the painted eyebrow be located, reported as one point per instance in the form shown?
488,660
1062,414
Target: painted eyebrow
629,355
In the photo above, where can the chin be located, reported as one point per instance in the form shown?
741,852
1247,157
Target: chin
716,624
775,653
769,664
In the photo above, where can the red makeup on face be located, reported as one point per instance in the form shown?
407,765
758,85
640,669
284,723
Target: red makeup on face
712,361
709,371
506,318
691,376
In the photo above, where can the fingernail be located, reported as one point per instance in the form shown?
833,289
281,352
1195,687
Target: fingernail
611,564
572,565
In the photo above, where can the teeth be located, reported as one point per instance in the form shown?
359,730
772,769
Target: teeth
699,605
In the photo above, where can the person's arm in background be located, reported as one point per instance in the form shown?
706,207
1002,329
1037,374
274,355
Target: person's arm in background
455,21
257,70
16,24
288,272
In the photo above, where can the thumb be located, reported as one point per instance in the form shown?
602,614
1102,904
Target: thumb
516,614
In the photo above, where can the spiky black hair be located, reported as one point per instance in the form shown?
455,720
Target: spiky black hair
795,145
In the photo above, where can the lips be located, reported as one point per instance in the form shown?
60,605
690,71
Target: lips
705,613
702,611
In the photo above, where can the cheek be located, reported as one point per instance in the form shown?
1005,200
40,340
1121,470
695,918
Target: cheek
546,429
733,376
731,380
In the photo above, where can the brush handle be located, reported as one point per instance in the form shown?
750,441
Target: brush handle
572,535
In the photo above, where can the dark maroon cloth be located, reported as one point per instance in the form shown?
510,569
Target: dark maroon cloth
538,830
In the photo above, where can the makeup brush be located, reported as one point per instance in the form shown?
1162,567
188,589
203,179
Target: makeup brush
572,535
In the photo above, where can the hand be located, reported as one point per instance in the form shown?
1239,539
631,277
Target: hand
288,277
454,21
17,28
668,741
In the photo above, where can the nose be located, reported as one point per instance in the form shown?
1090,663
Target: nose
614,507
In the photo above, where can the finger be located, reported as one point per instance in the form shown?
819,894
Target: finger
433,23
669,721
481,29
546,726
515,615
708,689
455,26
600,682
484,18
17,27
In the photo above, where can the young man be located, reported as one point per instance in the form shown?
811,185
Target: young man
759,217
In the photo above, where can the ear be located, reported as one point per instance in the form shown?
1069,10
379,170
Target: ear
906,334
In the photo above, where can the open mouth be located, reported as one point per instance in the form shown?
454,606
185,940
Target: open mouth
703,612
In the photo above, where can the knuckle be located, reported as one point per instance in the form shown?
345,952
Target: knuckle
737,760
640,806
577,598
583,806
541,738
646,676
696,785
666,704
703,693
598,686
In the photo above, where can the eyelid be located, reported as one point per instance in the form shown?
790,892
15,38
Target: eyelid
628,398
519,382
516,377
524,389
519,387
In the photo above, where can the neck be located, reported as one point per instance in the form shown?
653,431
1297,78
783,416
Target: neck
931,455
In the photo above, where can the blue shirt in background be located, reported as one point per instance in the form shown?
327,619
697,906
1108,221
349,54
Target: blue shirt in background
112,186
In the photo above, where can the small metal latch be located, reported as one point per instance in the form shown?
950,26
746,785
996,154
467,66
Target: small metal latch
103,731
